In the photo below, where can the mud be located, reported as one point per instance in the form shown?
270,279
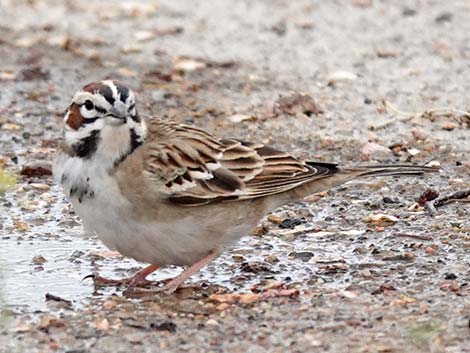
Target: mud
375,71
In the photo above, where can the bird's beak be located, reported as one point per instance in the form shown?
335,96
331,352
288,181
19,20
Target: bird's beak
119,110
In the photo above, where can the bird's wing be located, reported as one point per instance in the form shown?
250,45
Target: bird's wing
192,167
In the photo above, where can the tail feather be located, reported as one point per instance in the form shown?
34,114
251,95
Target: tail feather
389,170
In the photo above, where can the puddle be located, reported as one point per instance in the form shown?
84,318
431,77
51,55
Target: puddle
70,257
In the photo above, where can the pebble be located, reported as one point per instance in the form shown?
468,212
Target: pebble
341,76
450,276
143,36
212,322
222,307
37,168
109,304
39,259
290,223
274,219
296,103
187,65
448,126
103,325
38,186
375,151
238,118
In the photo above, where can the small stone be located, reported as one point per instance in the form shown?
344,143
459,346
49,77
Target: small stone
38,186
187,65
39,260
429,250
302,255
248,298
413,151
433,164
290,223
408,12
423,308
386,53
212,322
444,17
238,257
11,127
375,151
340,76
456,181
448,126
450,276
380,218
109,304
143,36
260,230
296,103
164,326
222,307
37,168
419,135
238,118
274,219
102,325
271,259
50,321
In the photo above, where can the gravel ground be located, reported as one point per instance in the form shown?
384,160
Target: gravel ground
353,81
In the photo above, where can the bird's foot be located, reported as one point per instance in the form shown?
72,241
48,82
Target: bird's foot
174,283
133,281
139,279
169,288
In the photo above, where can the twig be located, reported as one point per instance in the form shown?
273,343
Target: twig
414,236
52,297
459,196
403,116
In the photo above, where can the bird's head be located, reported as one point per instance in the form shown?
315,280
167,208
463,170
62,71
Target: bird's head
102,122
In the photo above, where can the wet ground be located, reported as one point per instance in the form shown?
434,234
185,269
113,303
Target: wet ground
319,275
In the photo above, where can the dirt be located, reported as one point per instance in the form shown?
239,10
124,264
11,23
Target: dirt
361,268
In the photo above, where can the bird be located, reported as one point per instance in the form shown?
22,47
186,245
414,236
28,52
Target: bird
165,193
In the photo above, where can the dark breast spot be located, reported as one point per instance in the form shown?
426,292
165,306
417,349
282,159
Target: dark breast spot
87,146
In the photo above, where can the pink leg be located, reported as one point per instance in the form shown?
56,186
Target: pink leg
173,285
138,279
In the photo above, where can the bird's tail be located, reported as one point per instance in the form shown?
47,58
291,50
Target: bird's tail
389,170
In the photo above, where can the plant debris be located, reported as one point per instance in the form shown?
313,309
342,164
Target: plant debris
459,196
295,103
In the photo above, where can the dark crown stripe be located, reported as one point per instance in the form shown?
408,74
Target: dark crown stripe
123,91
107,93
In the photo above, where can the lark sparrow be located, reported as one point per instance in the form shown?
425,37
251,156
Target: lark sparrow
171,194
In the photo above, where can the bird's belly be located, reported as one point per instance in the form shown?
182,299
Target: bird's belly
172,242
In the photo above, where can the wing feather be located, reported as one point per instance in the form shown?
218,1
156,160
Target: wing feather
192,167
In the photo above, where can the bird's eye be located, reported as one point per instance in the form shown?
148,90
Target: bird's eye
89,104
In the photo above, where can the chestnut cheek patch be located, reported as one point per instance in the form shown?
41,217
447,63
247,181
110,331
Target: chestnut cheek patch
74,119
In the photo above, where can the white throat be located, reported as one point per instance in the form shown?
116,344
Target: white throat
114,143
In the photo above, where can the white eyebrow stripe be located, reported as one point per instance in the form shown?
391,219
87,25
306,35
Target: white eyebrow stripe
81,96
112,86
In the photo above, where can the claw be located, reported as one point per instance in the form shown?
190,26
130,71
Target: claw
137,280
91,275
